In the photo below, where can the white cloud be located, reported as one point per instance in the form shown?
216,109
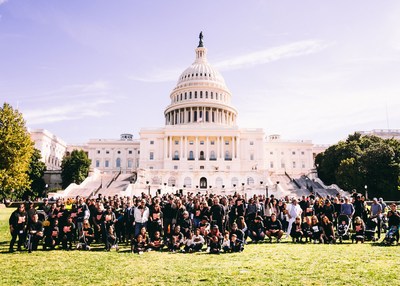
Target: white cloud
273,54
66,112
295,49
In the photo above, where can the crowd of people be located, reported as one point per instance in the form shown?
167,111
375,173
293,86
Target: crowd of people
196,222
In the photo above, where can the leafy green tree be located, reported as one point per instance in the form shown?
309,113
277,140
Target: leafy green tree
360,161
35,173
74,168
16,148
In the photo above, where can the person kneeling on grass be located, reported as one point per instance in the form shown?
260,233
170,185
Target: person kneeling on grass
359,228
35,232
68,234
328,233
257,230
296,231
306,229
316,230
51,233
274,229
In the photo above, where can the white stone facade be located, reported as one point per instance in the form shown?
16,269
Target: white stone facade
51,147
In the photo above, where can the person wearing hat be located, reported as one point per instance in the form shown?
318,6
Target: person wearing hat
376,214
256,230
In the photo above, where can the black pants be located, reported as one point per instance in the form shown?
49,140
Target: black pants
21,238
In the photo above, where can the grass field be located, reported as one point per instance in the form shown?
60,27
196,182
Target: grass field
261,264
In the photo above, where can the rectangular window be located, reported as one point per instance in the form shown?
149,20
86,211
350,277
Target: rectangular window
282,164
226,142
303,165
271,153
98,151
190,142
97,163
251,157
130,152
201,167
175,167
302,152
130,163
107,152
151,155
293,153
151,142
251,142
212,142
294,164
201,142
271,165
176,142
107,164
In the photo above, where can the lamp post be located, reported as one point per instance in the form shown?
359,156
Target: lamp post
366,192
148,186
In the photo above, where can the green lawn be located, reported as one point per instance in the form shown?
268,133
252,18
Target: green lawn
262,264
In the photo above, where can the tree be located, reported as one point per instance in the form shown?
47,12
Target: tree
360,161
35,173
74,168
16,148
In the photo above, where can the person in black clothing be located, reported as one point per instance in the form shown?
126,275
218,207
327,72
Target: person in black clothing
394,220
68,234
169,216
51,234
274,228
185,224
296,231
328,210
304,204
217,214
18,222
257,230
238,232
236,244
35,233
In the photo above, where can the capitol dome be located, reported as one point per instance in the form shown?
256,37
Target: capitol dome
201,95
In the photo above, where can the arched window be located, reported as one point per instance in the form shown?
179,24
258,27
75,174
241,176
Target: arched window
187,182
191,156
156,181
203,183
171,181
212,155
250,181
202,155
227,155
176,155
118,163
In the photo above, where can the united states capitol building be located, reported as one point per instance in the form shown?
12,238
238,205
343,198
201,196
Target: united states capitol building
199,148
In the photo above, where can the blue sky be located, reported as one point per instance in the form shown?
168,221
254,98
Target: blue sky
304,69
